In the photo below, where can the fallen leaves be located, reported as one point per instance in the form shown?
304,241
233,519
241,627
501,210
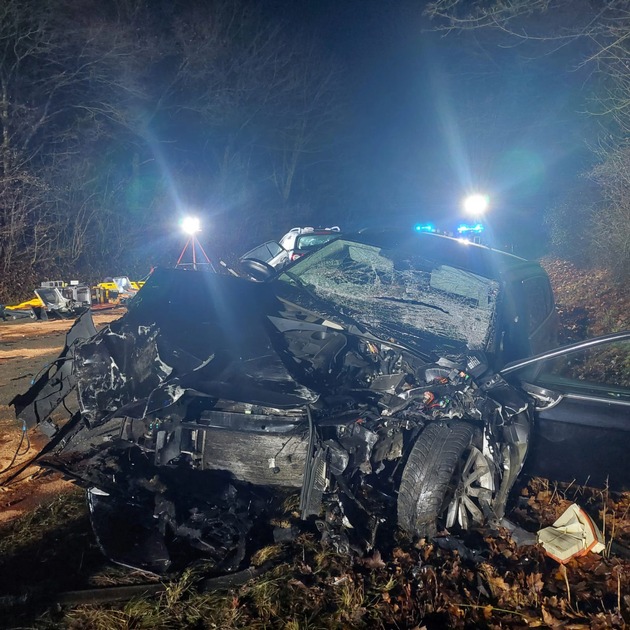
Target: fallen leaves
589,303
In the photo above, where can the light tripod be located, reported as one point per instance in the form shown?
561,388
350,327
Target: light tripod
194,245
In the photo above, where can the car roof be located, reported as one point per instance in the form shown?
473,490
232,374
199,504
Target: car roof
302,230
317,231
479,259
299,231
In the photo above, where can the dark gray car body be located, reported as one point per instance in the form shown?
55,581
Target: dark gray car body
214,397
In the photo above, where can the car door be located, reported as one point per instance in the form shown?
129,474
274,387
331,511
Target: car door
541,318
531,322
270,252
581,395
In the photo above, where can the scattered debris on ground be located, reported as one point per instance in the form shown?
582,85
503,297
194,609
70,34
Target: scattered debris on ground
572,535
483,580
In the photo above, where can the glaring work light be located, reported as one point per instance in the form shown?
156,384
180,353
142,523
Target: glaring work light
476,205
190,225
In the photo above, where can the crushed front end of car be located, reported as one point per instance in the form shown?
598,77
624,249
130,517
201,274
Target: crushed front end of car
211,401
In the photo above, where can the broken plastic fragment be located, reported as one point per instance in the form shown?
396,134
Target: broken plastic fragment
428,398
574,534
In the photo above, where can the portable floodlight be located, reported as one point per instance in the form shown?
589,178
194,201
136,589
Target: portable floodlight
192,226
476,205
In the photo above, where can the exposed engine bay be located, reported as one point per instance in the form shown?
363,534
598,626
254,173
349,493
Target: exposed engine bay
212,401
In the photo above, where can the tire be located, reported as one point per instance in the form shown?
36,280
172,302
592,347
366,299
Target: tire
441,482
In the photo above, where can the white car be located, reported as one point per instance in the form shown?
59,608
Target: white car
303,240
293,245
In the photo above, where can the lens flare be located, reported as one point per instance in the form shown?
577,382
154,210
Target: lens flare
190,225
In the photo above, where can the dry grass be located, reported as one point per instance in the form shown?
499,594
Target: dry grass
316,588
27,530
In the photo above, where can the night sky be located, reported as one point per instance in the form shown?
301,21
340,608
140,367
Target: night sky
434,117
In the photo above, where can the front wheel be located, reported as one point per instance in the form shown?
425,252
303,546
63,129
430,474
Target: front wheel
447,482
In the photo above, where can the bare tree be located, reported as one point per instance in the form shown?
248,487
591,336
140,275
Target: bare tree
112,114
312,105
598,33
261,99
611,226
60,86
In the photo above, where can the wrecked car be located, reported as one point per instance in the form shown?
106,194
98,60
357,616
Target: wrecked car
362,380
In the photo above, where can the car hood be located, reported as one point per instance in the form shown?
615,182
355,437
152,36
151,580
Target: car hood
208,335
186,331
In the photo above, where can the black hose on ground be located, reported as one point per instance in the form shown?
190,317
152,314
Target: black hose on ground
110,594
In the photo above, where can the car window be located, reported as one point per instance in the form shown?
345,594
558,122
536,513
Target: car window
538,300
308,241
601,369
264,252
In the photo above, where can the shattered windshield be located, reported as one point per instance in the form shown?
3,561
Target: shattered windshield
399,290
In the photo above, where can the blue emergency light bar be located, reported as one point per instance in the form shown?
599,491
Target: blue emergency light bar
476,229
